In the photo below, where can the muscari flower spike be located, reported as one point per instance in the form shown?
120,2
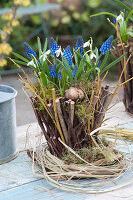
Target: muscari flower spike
75,71
79,45
106,45
52,69
53,46
59,75
114,18
29,50
68,55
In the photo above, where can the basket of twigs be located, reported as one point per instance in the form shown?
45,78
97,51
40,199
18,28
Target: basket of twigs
70,104
124,45
128,72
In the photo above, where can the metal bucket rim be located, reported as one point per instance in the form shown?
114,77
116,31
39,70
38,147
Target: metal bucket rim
14,92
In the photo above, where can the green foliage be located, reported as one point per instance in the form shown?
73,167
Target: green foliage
123,5
80,23
112,64
121,21
87,67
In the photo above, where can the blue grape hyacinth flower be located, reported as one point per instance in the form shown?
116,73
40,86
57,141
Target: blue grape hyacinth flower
68,55
107,45
114,19
79,45
59,75
52,70
53,46
29,50
75,71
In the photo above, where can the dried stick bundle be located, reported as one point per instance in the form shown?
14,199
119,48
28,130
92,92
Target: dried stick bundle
128,73
69,126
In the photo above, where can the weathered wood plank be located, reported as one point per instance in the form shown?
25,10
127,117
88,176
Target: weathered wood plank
16,172
17,182
31,191
117,115
33,131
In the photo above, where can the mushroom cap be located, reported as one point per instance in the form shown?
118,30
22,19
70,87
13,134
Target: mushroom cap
74,93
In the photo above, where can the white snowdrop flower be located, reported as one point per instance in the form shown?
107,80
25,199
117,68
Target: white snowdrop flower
86,44
47,52
58,52
31,63
92,55
44,56
120,18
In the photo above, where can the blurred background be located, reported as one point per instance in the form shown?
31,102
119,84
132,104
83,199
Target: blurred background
24,20
65,19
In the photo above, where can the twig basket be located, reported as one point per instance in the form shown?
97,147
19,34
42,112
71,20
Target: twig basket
128,73
76,138
75,131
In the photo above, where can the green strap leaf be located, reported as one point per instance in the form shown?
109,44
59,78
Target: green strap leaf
80,68
87,74
21,57
46,68
35,62
123,5
75,57
19,62
131,13
130,33
45,46
58,67
104,61
63,81
67,68
87,63
39,46
113,63
43,78
103,13
123,31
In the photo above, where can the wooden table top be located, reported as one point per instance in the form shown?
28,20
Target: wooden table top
17,181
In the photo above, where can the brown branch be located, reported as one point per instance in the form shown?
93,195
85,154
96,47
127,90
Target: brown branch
51,134
64,112
53,143
72,105
106,103
61,119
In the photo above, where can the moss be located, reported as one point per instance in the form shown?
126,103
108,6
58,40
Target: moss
48,92
82,107
104,141
87,87
92,154
83,111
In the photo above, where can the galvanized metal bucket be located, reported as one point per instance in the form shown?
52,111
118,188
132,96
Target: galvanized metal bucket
8,147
